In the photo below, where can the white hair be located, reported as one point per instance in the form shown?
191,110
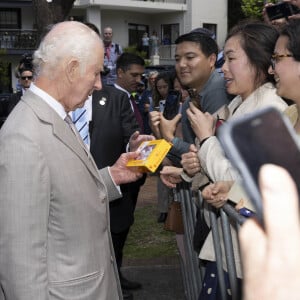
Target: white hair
65,40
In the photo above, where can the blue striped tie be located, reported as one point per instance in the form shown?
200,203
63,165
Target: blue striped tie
79,117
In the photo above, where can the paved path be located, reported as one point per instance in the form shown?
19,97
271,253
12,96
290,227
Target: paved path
148,192
159,282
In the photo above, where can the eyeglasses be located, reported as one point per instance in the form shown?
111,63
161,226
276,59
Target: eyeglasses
26,77
277,57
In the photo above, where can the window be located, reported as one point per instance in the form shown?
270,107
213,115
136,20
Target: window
135,33
10,18
211,27
169,33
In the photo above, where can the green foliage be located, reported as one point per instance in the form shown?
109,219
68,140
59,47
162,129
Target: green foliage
235,13
134,49
253,8
4,74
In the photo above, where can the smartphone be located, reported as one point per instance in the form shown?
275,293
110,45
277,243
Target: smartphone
281,10
195,98
162,104
172,104
263,137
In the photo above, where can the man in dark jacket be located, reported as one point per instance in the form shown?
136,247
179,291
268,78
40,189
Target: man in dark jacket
25,79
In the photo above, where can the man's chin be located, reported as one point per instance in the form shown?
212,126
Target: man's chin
185,82
80,105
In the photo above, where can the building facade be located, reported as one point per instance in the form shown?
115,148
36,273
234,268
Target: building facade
169,18
128,18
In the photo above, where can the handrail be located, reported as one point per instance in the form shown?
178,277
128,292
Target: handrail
191,270
18,39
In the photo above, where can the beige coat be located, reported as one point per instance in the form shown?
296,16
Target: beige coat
54,223
211,154
218,166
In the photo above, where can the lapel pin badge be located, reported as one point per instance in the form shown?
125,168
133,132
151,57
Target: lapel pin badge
102,101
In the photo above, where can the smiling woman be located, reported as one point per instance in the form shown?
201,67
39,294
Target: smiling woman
286,62
286,66
261,247
247,52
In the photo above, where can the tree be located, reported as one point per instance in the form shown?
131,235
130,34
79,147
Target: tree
47,13
235,13
253,8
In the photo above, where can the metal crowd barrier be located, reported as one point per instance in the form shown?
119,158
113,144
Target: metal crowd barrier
191,267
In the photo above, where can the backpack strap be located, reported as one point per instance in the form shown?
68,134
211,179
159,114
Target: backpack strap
117,49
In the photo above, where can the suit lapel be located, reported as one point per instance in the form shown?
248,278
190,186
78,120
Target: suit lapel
60,129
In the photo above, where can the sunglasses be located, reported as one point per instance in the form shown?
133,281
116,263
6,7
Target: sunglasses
276,57
26,77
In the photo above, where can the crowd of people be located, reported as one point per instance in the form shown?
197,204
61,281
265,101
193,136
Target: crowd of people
67,198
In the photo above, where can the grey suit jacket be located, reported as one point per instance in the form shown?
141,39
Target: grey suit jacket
54,223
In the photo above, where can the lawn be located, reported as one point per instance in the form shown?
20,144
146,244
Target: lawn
147,238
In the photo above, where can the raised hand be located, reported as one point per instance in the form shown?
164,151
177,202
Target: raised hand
272,252
203,124
136,139
190,161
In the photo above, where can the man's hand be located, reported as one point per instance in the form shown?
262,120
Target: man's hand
190,162
296,3
136,139
203,124
272,252
265,15
216,194
293,17
122,174
170,176
154,121
168,127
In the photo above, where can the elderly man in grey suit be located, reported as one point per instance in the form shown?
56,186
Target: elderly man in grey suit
54,224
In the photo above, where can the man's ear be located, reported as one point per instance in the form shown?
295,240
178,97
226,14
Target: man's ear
72,69
212,59
120,73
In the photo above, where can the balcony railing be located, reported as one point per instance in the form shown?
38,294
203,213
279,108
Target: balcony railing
167,1
18,39
86,2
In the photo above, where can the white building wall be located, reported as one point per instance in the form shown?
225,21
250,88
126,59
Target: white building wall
198,12
119,20
93,15
213,12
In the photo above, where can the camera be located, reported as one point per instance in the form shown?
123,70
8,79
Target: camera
281,10
105,71
26,62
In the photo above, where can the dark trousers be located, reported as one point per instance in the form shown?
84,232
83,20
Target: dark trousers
119,240
122,217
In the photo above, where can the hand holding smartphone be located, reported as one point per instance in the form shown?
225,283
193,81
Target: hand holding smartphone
172,104
281,10
263,137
